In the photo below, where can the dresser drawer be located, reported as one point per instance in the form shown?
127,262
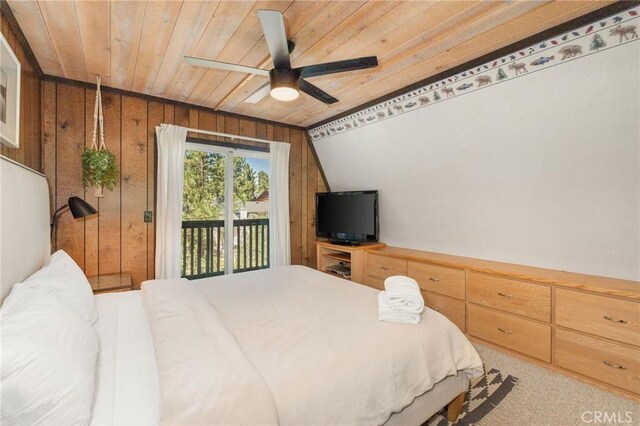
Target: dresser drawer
603,316
374,282
516,297
518,334
453,309
611,363
383,266
438,279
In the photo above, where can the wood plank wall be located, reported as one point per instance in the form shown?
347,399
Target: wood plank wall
117,239
30,151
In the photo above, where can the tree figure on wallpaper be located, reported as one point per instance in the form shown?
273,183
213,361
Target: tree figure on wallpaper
501,74
597,42
436,96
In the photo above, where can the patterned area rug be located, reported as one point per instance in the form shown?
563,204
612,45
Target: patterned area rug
484,394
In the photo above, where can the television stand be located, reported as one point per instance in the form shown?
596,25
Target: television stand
349,258
346,243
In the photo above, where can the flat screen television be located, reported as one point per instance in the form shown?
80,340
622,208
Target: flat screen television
347,217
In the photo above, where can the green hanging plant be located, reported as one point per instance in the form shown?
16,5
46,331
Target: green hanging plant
99,168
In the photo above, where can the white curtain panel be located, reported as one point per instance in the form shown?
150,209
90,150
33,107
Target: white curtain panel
279,247
170,175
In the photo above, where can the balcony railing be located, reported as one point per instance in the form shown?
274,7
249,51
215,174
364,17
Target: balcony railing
203,247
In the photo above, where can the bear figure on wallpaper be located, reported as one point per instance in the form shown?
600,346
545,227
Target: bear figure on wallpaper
520,68
424,100
570,51
483,80
628,32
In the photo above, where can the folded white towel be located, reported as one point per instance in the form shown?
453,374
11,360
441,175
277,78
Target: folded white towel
403,293
388,313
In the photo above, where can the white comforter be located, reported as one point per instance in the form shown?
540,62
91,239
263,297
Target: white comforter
292,346
205,377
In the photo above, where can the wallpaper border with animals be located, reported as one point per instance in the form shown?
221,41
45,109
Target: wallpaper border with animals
598,36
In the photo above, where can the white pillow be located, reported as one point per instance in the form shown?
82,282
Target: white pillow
64,278
48,361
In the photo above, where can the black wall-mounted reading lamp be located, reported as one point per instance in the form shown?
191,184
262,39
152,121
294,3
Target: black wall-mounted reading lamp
79,208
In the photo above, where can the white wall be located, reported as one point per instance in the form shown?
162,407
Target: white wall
542,170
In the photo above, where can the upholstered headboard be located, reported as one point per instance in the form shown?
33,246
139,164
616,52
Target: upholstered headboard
24,223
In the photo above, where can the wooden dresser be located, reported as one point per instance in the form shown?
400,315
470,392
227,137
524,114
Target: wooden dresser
581,325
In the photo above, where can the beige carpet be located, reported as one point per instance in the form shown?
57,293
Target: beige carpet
543,397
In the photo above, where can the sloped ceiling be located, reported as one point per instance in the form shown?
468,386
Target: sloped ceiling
139,45
538,168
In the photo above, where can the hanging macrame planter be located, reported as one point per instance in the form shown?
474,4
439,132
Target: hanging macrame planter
99,168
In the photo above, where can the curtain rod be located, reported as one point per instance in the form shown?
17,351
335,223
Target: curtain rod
227,135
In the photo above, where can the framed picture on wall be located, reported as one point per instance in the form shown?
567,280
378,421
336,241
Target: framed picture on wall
9,95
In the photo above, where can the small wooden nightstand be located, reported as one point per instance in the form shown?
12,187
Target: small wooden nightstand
109,283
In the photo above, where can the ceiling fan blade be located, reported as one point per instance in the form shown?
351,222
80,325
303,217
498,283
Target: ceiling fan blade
316,92
339,66
206,63
276,36
259,94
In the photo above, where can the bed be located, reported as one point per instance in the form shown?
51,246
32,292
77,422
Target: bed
281,346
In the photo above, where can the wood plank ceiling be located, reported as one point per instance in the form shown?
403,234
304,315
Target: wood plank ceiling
139,45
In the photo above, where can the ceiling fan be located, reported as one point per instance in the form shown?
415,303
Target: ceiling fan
285,82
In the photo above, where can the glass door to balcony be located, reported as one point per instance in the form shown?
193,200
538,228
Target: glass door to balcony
250,211
212,176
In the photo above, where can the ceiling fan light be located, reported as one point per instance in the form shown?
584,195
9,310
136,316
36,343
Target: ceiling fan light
285,84
284,93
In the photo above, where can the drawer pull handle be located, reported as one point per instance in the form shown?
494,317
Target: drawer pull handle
434,279
508,296
502,330
384,268
619,367
608,318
